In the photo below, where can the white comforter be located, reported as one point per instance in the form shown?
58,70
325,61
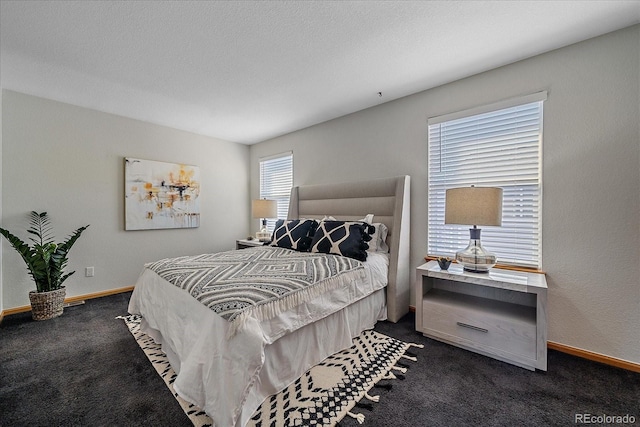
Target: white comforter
229,377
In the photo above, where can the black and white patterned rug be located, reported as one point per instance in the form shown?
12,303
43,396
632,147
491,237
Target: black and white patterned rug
322,396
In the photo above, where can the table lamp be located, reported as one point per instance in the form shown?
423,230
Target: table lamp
474,206
263,208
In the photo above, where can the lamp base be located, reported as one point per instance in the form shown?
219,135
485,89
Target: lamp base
474,258
263,235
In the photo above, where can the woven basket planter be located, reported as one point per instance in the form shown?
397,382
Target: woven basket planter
47,305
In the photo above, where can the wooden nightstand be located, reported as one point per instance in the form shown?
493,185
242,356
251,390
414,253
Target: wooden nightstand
244,243
501,314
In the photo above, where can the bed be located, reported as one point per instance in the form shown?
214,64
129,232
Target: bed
228,360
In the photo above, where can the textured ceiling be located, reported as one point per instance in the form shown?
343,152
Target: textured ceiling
247,71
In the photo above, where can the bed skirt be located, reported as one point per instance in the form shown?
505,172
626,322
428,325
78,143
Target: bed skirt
271,366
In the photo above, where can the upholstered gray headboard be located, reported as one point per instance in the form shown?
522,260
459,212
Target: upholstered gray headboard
388,200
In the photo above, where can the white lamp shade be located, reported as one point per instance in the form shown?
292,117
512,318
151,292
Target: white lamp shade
264,208
473,206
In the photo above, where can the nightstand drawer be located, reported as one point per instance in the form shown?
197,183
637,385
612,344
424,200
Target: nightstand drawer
481,322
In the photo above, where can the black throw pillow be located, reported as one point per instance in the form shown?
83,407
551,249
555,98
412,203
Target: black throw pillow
344,238
295,234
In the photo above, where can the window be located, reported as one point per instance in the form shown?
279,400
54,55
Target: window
499,145
276,180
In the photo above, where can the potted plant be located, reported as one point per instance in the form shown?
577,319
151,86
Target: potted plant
45,261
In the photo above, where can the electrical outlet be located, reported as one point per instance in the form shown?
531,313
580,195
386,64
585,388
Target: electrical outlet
88,271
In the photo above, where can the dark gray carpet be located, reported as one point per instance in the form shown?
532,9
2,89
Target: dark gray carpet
85,368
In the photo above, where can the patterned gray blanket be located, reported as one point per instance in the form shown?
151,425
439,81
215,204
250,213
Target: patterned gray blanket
261,282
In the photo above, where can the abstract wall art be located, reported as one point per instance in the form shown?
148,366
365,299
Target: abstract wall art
161,195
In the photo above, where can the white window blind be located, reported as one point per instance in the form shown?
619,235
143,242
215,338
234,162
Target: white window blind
276,180
493,146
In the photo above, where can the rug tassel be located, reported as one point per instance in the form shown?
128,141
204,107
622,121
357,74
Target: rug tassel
389,376
358,417
372,398
413,359
416,345
398,368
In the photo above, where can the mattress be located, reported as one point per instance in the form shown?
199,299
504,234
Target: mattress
229,375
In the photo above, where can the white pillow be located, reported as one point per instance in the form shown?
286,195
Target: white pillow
368,218
378,241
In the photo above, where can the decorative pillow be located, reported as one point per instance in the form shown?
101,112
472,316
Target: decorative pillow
368,218
378,241
346,238
294,234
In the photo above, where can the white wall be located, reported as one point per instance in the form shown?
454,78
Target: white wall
69,161
1,288
591,175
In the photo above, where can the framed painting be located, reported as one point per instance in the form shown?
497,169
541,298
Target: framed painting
161,195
